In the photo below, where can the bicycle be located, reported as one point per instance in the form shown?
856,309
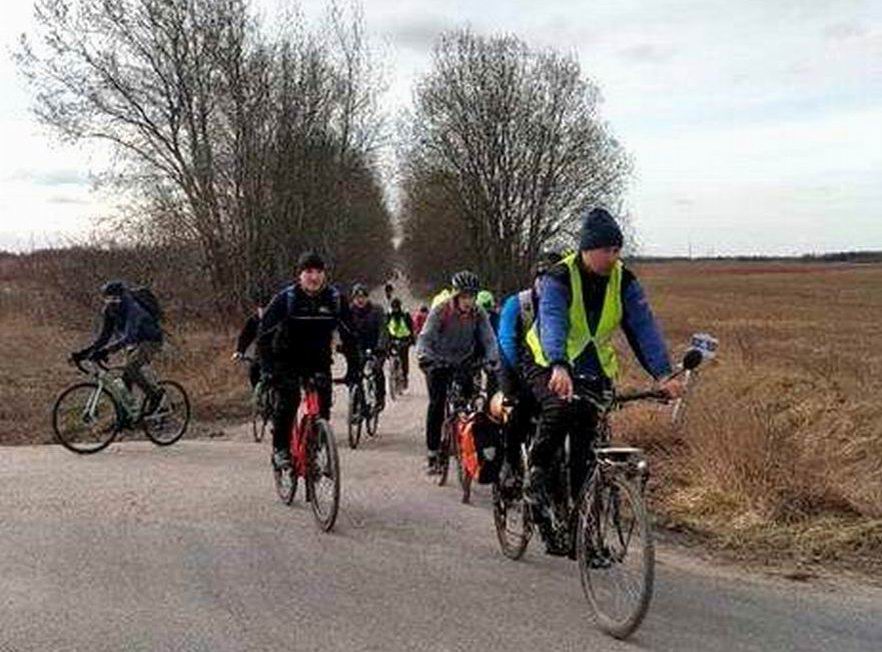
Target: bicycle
599,523
457,409
314,458
87,416
263,401
396,372
362,409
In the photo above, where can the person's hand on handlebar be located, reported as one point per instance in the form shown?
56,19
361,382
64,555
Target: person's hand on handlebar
561,383
237,356
99,356
673,386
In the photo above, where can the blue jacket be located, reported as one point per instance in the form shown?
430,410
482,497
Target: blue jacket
638,323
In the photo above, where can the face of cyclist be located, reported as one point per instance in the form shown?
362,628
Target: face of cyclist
601,260
466,301
312,279
360,300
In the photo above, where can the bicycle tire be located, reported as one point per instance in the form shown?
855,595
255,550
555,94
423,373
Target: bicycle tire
105,436
323,461
465,480
261,413
602,499
393,380
512,542
174,401
354,418
372,418
444,452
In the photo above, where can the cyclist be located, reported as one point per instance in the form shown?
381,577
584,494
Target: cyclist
368,321
128,324
582,301
248,336
388,295
455,334
294,343
515,320
400,332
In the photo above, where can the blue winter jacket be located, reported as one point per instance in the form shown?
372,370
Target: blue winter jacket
638,323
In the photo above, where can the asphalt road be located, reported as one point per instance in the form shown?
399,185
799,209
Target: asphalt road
187,548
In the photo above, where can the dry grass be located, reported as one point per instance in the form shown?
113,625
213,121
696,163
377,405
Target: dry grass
781,449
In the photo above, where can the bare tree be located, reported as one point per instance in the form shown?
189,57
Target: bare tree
512,142
246,147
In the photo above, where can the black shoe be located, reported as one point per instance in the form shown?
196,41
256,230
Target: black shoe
282,459
432,466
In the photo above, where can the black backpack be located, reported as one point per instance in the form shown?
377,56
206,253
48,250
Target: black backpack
148,301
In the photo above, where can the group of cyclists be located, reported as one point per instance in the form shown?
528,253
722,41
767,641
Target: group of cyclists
556,330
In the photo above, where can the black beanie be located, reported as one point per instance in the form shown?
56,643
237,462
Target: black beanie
310,260
599,229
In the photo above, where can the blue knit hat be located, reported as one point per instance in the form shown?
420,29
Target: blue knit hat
599,229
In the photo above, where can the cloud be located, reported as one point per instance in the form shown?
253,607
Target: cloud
51,177
647,53
419,34
845,30
66,199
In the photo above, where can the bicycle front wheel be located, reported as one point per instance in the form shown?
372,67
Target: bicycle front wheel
86,418
323,475
615,553
393,380
168,422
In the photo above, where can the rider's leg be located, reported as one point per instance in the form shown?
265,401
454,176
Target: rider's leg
288,400
438,381
549,436
580,447
137,371
254,374
404,354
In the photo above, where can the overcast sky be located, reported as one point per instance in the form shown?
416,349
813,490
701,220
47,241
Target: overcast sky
755,126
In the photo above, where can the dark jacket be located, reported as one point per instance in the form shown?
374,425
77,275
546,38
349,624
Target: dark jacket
638,323
124,324
368,326
296,331
452,337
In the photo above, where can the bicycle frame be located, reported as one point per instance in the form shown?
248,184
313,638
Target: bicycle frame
104,377
307,413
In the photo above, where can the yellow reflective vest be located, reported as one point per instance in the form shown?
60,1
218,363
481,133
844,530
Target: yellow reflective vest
579,335
397,327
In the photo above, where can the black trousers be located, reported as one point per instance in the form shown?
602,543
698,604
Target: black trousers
288,392
557,419
438,381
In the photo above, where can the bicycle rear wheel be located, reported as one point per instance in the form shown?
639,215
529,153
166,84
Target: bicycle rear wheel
86,418
169,421
354,416
512,521
615,553
323,475
261,414
465,480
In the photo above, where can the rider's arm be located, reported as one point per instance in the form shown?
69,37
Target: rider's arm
272,320
248,334
508,332
554,318
642,330
427,343
107,325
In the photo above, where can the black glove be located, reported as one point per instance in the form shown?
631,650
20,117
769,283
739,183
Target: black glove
79,356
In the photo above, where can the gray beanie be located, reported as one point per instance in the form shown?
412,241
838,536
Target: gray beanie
599,229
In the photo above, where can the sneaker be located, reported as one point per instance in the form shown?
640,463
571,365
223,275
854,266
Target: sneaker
432,467
281,459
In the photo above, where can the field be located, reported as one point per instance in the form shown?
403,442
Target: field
779,454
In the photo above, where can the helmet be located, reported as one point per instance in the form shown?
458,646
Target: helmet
485,299
396,304
465,281
310,260
359,290
113,288
545,261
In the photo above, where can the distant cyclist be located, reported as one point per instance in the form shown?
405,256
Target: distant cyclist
129,324
456,335
583,300
248,336
400,331
487,301
294,343
368,326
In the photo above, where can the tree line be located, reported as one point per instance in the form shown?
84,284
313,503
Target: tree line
238,143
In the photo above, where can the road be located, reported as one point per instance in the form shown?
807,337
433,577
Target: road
187,548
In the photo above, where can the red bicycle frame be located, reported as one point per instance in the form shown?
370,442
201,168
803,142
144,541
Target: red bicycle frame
302,430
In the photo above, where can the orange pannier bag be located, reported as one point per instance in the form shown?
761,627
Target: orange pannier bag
480,445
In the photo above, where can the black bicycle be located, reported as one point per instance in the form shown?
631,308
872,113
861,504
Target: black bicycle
363,409
263,405
604,524
396,371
